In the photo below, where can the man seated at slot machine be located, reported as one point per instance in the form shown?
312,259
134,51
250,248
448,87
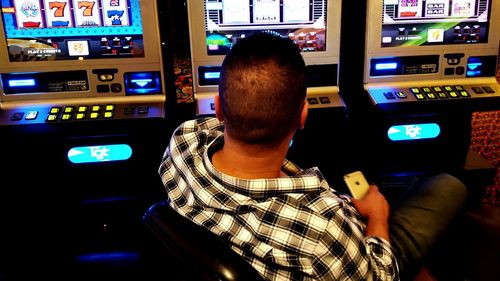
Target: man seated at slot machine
230,175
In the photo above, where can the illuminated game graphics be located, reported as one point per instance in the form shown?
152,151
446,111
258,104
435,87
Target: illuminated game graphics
434,22
303,21
72,29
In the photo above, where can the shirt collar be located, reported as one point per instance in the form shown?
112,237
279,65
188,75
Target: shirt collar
309,181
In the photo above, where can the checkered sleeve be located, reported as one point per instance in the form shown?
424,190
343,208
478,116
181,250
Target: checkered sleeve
343,253
383,262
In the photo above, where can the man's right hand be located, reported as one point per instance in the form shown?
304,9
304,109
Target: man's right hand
374,207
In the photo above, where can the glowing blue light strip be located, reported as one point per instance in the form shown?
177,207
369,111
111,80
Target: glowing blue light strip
473,73
386,66
22,82
211,75
108,256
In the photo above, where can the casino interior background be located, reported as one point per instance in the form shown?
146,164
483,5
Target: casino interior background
61,221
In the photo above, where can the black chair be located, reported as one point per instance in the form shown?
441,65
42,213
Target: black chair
196,247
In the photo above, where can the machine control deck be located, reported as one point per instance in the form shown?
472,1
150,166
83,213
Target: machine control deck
392,93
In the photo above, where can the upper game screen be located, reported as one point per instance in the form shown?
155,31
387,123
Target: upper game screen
38,30
226,21
434,22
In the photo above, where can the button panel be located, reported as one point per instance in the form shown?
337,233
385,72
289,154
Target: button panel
438,92
32,114
390,94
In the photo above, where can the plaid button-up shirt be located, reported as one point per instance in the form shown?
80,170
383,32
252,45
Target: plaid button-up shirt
289,228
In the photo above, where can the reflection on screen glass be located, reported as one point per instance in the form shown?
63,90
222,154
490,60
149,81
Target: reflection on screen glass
38,30
434,22
227,21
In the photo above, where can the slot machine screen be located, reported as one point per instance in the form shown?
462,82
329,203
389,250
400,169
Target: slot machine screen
216,25
408,23
80,54
38,30
303,21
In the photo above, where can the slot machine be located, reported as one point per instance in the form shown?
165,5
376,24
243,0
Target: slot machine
215,25
83,109
427,65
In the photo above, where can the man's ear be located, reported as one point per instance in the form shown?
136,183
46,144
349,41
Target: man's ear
303,115
218,110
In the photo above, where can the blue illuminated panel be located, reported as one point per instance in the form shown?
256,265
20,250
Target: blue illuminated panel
209,75
407,65
35,83
99,153
413,132
142,83
481,66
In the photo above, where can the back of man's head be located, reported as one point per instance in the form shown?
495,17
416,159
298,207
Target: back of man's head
262,88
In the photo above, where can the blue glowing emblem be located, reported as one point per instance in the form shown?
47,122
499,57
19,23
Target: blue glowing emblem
99,153
413,132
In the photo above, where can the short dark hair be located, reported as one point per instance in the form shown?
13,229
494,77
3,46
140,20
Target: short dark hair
262,88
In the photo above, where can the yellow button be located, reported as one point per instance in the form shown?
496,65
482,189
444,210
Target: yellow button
80,116
66,116
55,110
110,107
108,114
82,108
453,94
94,115
52,117
96,107
68,109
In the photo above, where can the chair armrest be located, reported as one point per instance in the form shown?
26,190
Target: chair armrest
197,246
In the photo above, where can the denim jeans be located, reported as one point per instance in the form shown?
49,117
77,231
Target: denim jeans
421,216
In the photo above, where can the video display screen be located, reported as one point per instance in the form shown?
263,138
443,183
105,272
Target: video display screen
434,22
39,30
227,21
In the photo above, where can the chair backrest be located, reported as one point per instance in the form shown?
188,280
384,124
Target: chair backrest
197,247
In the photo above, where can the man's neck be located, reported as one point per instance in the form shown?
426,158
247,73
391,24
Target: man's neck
249,161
